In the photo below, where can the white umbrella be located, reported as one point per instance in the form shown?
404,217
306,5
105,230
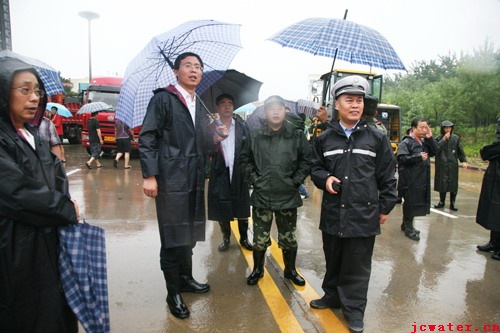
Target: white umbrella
94,107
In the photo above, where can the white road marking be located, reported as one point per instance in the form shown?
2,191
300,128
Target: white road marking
444,213
72,172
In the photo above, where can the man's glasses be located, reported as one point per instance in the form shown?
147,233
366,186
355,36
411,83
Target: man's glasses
28,91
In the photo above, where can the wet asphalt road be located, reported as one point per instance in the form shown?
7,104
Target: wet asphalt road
440,280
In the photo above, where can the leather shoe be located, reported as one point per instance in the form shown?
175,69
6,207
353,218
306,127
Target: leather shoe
193,286
496,255
177,306
356,326
453,208
224,245
320,304
487,247
440,204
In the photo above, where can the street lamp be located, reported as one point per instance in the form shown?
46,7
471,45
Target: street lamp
89,16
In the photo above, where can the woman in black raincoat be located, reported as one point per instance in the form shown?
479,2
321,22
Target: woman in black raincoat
34,200
488,209
449,153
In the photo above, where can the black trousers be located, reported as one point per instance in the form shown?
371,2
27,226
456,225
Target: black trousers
173,259
348,269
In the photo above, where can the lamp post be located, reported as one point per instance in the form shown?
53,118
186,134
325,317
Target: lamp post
89,16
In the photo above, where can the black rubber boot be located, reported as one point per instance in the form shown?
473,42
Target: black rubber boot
403,227
187,282
453,197
493,245
410,232
289,257
174,298
225,227
243,229
258,267
442,199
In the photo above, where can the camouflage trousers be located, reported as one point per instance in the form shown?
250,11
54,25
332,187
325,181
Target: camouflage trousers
286,221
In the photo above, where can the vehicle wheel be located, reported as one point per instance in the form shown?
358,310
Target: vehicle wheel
77,139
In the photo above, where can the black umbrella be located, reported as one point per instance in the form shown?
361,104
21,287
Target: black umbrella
243,88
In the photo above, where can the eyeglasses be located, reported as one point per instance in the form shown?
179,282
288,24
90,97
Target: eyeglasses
28,91
190,66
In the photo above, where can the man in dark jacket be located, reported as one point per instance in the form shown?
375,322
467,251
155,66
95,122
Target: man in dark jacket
354,165
450,151
275,160
173,144
228,194
414,168
34,201
488,209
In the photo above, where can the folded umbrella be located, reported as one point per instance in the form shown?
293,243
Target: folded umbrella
61,109
83,270
50,77
215,42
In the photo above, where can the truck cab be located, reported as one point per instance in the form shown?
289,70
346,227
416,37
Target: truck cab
107,90
388,115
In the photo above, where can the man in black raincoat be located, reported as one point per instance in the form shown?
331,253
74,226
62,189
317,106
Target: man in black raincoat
173,144
228,194
414,168
354,165
488,209
450,151
34,200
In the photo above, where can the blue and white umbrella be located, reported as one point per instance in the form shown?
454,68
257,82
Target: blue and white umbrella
215,42
49,76
94,107
61,109
342,39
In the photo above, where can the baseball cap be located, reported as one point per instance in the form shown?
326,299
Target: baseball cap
275,99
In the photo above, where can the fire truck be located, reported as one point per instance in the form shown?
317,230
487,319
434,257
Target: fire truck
388,115
105,89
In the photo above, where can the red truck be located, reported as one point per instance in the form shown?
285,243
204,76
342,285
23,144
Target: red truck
72,126
105,89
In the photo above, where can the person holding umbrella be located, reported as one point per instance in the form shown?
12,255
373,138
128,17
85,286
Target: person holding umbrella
354,165
34,201
57,120
173,143
95,140
228,194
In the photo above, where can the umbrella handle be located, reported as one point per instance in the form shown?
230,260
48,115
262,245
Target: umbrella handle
216,120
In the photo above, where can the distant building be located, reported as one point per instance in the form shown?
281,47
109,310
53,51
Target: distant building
5,32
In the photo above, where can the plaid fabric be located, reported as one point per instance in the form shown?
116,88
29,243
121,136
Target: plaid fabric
215,42
82,265
49,76
94,107
355,43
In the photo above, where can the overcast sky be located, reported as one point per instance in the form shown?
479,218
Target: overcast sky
52,31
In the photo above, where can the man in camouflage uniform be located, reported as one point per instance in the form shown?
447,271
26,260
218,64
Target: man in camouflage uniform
275,160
